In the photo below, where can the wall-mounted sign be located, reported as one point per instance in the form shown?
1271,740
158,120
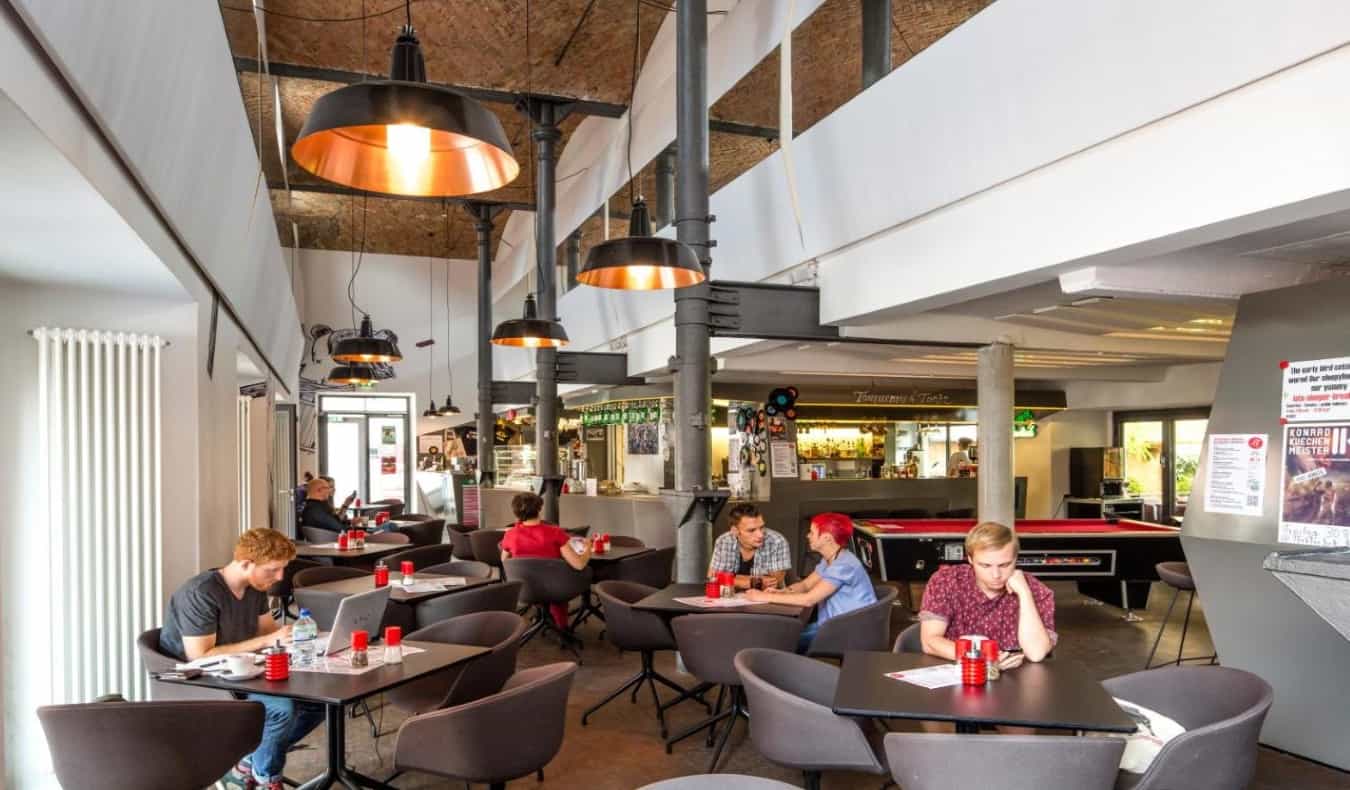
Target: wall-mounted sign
903,398
1316,484
1236,473
595,434
1024,424
622,414
783,459
1316,389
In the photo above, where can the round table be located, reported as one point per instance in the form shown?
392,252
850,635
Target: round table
719,781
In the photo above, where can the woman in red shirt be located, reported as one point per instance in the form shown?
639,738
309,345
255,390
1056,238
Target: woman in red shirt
530,537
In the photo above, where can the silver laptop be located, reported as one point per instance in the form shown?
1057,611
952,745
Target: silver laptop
360,612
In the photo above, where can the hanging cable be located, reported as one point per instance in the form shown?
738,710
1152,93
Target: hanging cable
449,377
632,91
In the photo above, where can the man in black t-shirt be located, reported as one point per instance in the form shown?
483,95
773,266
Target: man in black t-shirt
224,611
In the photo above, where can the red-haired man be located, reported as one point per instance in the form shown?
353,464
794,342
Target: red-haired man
839,584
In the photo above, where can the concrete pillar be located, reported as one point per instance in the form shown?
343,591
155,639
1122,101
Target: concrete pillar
995,395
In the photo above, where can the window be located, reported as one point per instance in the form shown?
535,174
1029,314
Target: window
1162,453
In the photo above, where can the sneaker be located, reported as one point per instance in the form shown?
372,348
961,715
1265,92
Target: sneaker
241,778
275,784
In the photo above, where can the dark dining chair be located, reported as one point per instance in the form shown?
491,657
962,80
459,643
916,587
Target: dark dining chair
154,661
459,540
421,556
549,581
478,677
504,597
424,532
394,507
1222,710
865,628
318,534
389,537
910,640
940,761
626,542
325,573
708,643
464,743
412,517
652,568
322,604
793,725
466,568
284,590
487,546
149,745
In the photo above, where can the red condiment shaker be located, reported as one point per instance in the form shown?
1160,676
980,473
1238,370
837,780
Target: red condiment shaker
343,541
712,590
277,663
381,574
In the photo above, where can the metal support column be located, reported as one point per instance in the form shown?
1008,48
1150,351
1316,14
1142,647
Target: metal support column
545,117
572,255
693,449
487,473
995,383
876,40
664,209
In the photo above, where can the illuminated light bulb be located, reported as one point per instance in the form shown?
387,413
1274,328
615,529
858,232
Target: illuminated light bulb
409,148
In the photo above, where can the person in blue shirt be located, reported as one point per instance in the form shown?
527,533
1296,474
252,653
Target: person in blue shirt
839,584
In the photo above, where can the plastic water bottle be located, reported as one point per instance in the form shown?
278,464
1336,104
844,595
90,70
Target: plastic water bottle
304,632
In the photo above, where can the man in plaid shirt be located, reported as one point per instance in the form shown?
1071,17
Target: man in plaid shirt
751,551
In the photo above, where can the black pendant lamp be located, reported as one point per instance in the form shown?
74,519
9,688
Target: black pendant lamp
402,136
365,347
641,262
431,411
359,375
448,409
530,331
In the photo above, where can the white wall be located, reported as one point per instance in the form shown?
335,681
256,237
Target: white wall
1181,386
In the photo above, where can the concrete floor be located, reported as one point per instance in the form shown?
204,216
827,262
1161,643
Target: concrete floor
621,748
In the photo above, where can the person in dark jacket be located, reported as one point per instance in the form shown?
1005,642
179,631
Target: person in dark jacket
317,511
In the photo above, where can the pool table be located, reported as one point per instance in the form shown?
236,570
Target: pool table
1111,560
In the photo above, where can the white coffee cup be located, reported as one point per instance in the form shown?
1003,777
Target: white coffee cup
239,663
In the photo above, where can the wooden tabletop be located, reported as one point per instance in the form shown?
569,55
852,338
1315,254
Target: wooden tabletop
360,584
334,689
331,552
619,553
1053,694
663,602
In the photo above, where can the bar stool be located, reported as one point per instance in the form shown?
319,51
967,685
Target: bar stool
1176,575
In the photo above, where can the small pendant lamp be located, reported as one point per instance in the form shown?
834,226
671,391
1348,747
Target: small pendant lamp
366,348
530,331
402,136
359,375
641,262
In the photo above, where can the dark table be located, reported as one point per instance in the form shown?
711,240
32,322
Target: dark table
335,692
360,584
663,602
618,553
1054,694
341,556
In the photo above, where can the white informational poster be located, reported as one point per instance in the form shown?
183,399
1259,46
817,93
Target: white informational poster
1315,510
1316,389
783,459
1236,472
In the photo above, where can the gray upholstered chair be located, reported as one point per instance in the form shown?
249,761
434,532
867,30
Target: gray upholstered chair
504,597
867,628
466,568
652,568
421,556
794,725
549,581
626,541
466,742
910,640
709,643
413,517
473,679
318,534
422,532
487,546
940,761
718,782
389,537
154,661
638,631
1222,710
459,540
149,745
394,507
284,590
322,604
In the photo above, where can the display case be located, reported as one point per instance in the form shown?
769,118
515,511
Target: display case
515,465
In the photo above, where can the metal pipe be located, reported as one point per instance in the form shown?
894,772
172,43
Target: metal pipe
664,210
546,135
573,257
693,449
487,473
876,40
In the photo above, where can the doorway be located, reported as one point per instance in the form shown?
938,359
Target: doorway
1162,451
365,446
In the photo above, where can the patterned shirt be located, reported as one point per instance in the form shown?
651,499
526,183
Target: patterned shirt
953,597
775,555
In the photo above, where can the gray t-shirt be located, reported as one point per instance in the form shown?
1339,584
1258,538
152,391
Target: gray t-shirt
203,606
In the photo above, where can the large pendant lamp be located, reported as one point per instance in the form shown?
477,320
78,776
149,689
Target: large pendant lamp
530,331
641,262
402,136
365,347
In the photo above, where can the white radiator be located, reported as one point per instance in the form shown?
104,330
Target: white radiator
243,438
100,472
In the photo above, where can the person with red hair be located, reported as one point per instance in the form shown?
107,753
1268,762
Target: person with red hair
839,584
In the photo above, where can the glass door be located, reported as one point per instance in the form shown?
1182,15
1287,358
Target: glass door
343,448
1162,454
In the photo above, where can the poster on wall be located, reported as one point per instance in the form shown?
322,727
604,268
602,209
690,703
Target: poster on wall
1236,472
388,435
1316,389
783,459
643,439
389,464
1316,484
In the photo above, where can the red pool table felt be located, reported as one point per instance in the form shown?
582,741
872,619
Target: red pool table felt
960,526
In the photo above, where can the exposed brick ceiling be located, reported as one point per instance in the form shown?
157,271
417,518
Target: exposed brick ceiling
481,43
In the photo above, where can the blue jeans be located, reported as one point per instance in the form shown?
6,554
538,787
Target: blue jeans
808,634
285,724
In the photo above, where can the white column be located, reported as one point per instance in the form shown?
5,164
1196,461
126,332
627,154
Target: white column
995,395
